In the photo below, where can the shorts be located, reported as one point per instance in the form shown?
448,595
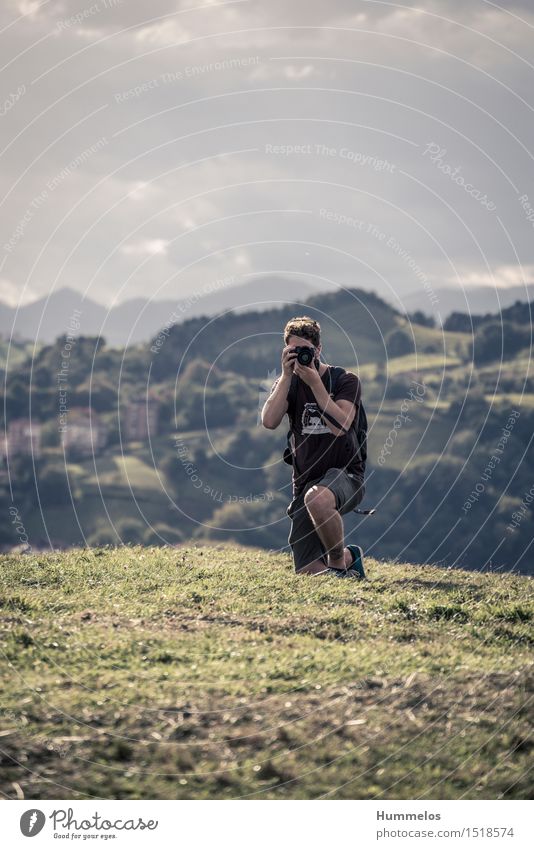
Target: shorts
306,546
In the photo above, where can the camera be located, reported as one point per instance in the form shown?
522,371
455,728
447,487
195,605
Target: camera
305,354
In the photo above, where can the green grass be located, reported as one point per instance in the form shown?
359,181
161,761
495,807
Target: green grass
216,672
523,399
132,471
416,363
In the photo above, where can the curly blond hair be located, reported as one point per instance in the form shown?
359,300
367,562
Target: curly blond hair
305,327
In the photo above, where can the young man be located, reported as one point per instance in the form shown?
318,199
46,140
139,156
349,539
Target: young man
328,472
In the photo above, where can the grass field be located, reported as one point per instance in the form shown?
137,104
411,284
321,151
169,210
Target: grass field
215,672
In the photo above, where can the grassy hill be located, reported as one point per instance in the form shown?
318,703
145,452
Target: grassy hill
216,672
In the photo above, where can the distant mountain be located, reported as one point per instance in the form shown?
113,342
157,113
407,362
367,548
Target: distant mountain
474,299
49,317
139,319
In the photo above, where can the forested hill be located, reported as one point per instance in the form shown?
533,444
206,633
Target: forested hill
451,426
357,326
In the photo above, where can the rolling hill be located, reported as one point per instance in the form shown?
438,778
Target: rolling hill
357,326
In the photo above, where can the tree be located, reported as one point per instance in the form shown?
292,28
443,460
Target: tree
53,487
419,317
497,340
399,343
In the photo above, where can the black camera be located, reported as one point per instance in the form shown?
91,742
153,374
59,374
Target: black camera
305,354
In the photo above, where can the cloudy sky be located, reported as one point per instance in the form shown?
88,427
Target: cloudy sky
152,149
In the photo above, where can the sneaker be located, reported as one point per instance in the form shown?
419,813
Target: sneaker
343,573
355,570
356,567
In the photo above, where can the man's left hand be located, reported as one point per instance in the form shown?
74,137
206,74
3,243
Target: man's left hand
308,374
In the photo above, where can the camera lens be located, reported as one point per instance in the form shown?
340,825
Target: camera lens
305,356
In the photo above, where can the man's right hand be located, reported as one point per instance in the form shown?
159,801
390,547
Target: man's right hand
276,404
288,360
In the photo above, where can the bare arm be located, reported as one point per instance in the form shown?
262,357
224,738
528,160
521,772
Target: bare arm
342,411
275,406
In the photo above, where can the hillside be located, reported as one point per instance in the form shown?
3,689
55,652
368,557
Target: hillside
138,492
435,417
356,325
215,672
136,320
16,350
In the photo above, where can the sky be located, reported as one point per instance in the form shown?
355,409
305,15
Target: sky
150,150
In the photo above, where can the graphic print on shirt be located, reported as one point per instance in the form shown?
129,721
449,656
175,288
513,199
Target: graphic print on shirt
312,421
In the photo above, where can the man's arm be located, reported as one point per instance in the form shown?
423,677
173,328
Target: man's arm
343,411
276,404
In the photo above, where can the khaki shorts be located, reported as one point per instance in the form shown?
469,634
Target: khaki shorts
306,546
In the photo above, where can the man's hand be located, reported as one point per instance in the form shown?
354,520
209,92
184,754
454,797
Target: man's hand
308,374
288,358
276,405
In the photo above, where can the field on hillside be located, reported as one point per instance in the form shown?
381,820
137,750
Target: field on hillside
215,672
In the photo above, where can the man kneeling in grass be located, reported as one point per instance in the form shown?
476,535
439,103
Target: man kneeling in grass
322,404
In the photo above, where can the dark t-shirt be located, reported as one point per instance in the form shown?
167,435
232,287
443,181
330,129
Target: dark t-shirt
315,448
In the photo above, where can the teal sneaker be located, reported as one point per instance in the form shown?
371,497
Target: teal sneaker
355,570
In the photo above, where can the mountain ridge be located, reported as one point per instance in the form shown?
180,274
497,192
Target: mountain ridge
474,299
137,320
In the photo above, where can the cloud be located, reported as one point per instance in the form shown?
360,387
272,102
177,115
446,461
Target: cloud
502,277
13,295
147,247
190,100
294,72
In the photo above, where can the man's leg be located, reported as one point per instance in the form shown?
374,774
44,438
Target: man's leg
315,568
320,503
308,553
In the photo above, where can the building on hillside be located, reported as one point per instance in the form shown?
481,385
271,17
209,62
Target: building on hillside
139,419
83,433
23,438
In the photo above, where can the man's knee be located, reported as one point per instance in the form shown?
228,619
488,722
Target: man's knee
319,501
